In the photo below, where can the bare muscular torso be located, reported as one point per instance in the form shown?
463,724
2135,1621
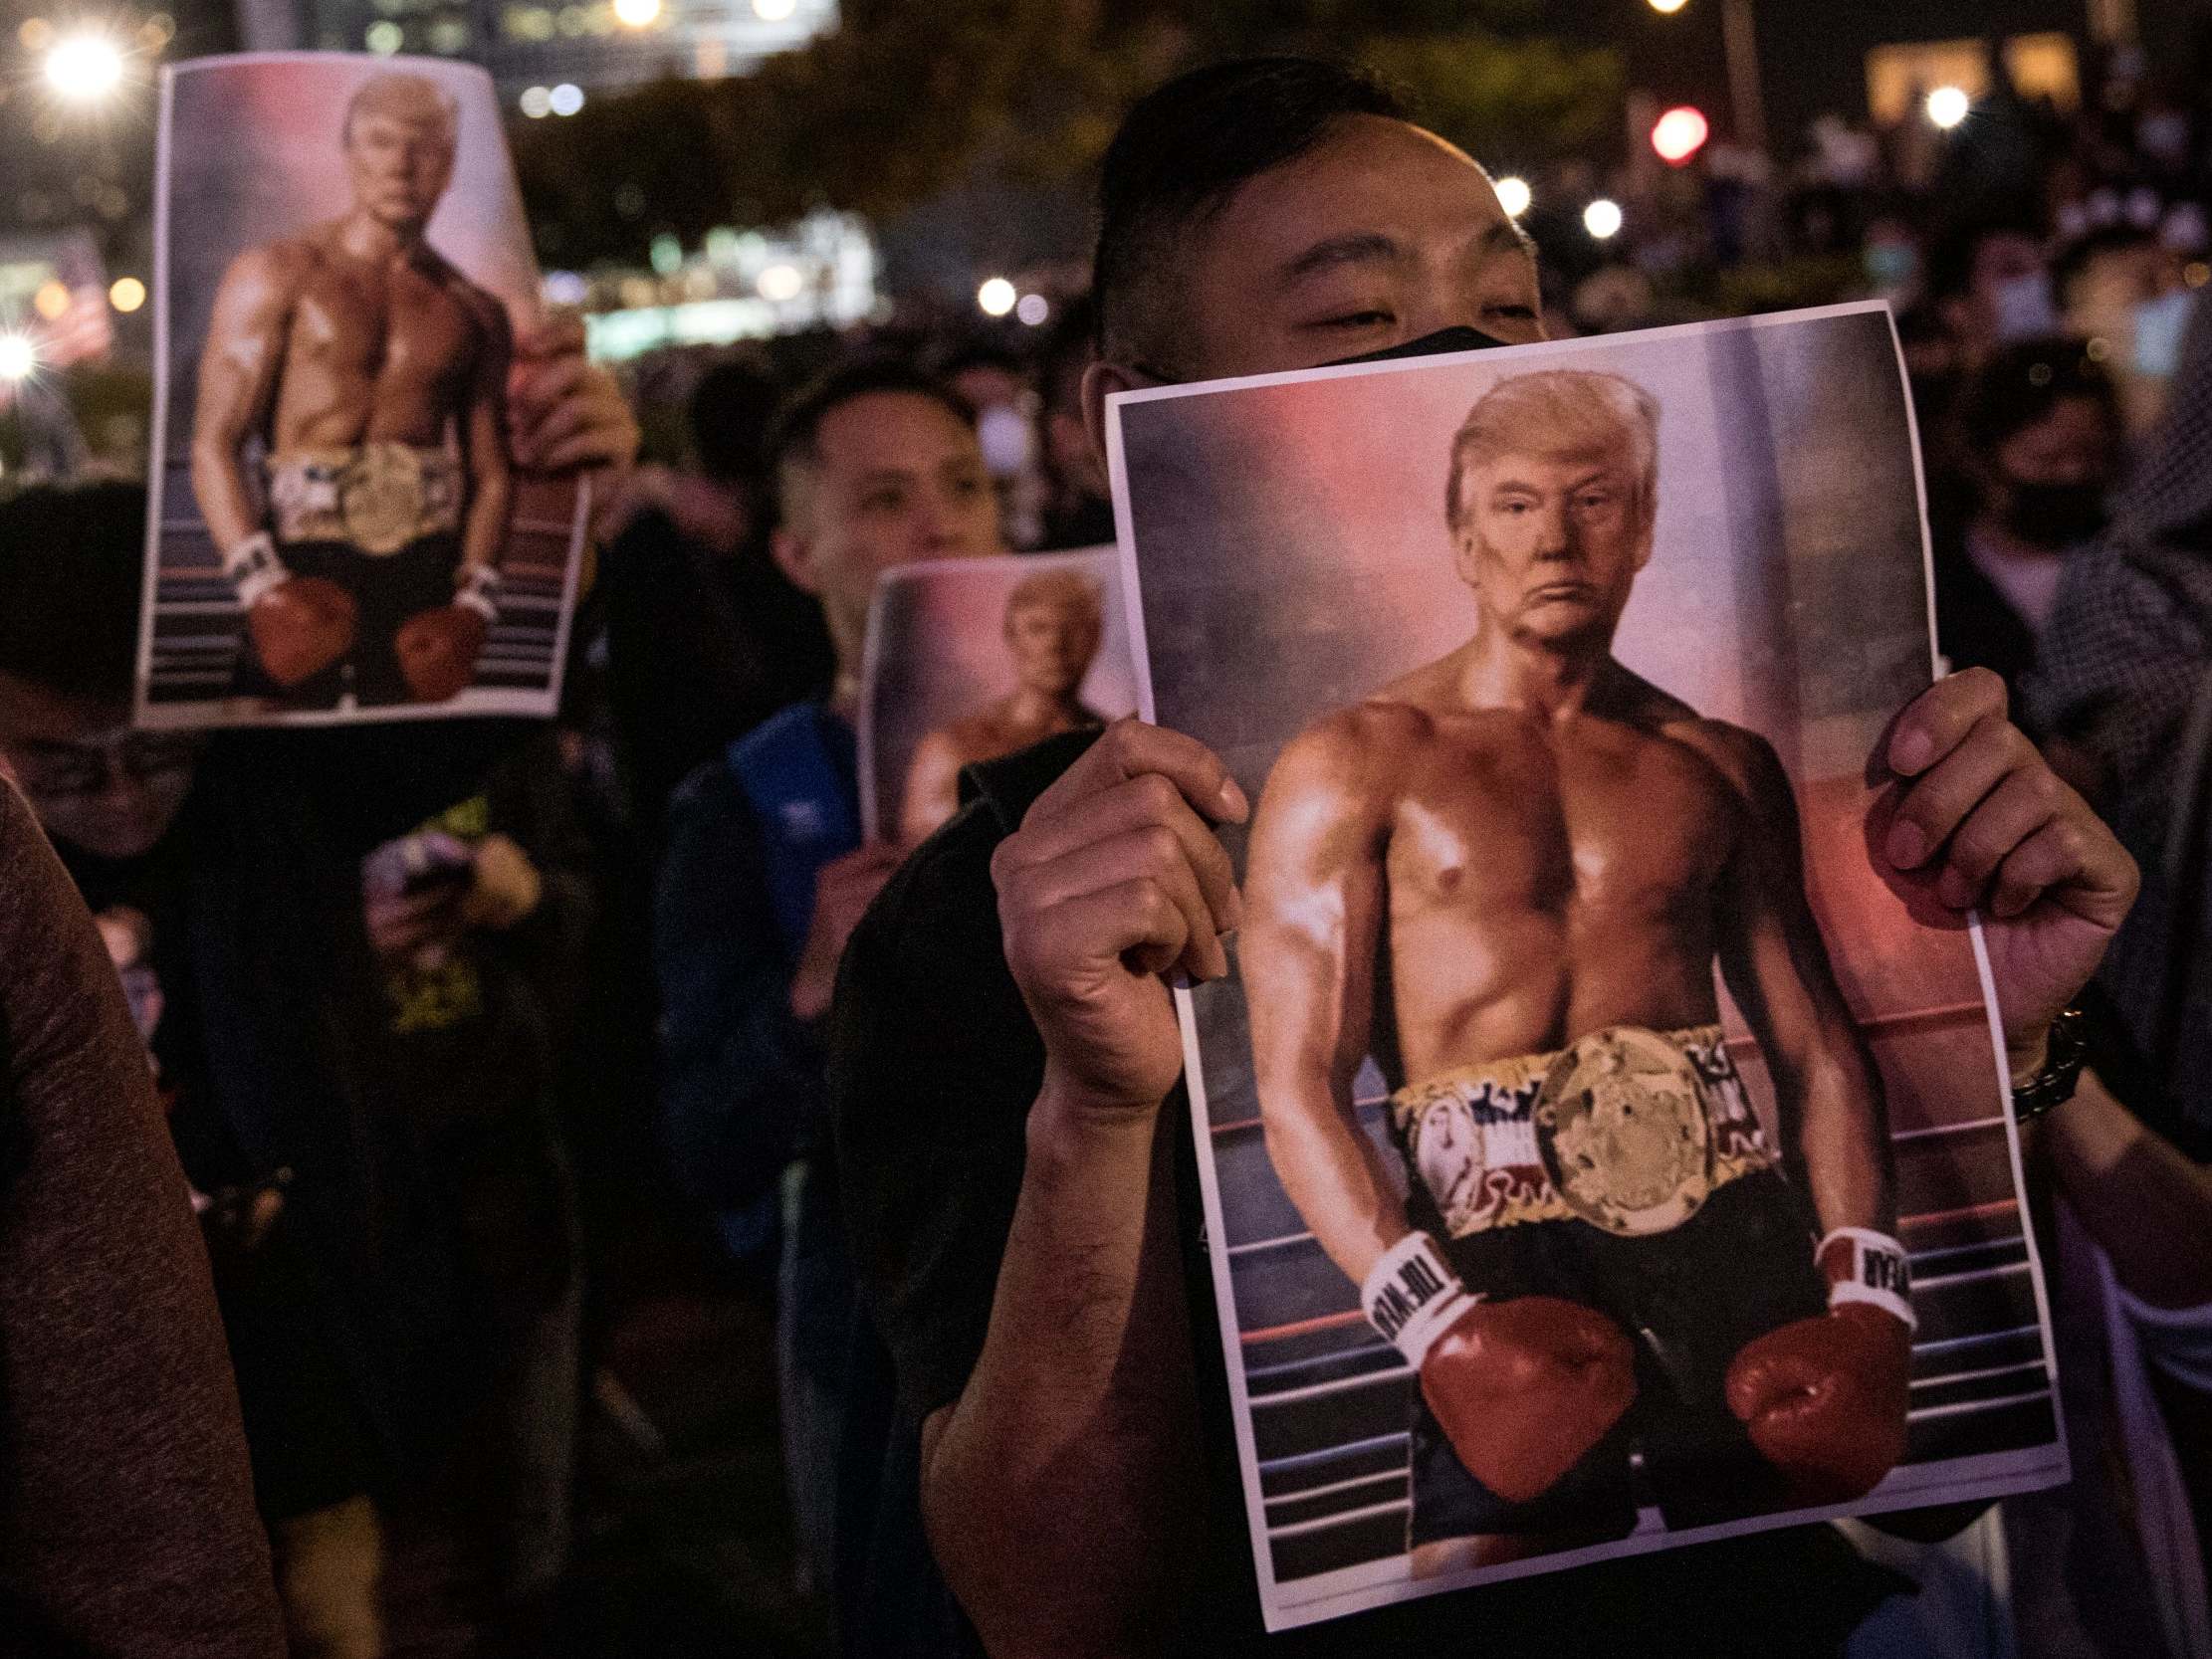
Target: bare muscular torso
1012,723
373,348
1543,878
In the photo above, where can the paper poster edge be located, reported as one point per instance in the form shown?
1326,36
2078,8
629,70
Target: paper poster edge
141,674
1995,1475
410,60
1496,353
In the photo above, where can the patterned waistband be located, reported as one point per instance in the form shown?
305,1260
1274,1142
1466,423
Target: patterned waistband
378,497
1472,1138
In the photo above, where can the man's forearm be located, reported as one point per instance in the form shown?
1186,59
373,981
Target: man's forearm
2146,1204
1061,1490
219,486
1327,1167
1844,1142
491,502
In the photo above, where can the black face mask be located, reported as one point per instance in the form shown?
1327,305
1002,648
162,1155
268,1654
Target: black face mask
2055,516
1455,338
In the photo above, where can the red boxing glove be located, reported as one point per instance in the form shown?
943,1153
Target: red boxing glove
438,649
1522,1387
300,627
1825,1398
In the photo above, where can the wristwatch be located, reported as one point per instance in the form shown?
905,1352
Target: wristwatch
2065,1054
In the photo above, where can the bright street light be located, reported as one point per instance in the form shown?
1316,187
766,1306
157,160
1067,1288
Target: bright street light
1601,219
1948,107
18,358
1514,195
636,14
126,294
83,67
1668,8
565,98
1679,135
996,296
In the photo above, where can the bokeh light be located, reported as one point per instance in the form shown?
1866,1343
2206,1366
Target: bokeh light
18,358
126,294
1033,310
1601,218
773,11
1679,135
1514,195
996,296
51,301
537,102
638,14
565,98
780,282
83,67
1948,107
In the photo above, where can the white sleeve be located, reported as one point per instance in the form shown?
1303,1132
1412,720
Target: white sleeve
2178,1341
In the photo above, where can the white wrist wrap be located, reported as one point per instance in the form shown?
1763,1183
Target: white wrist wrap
477,589
254,568
1861,1265
1412,1297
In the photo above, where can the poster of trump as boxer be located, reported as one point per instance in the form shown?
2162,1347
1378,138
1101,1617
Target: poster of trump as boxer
970,659
338,530
1598,1154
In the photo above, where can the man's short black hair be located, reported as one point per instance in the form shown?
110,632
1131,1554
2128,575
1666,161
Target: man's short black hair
1957,248
796,432
71,557
2073,260
1183,150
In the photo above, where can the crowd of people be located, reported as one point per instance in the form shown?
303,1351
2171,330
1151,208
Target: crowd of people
483,1044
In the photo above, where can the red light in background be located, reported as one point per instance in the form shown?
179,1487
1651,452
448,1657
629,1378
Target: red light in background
1679,135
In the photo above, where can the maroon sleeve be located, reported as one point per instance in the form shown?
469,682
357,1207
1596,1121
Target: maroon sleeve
127,1516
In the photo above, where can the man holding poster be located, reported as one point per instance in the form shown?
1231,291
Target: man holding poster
369,374
1508,876
1008,1067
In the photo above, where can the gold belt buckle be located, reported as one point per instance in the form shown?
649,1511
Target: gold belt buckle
380,496
1624,1133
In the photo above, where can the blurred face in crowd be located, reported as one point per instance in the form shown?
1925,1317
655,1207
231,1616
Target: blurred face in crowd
2008,296
895,479
1381,234
1053,642
2046,482
93,781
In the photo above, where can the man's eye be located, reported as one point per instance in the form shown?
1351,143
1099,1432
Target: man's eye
1357,319
882,501
1519,313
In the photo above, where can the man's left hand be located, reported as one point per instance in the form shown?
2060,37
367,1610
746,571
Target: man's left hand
1974,817
567,415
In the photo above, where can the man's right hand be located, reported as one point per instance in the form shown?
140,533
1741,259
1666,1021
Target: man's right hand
1114,879
843,891
1524,1387
300,627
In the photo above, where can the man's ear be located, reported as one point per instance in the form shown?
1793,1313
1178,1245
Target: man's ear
794,556
1100,381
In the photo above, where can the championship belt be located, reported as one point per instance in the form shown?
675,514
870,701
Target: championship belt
1625,1132
377,499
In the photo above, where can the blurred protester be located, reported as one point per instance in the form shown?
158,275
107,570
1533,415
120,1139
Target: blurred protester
2038,440
1021,1198
1080,510
1989,283
363,1121
765,874
705,637
127,1516
2117,1562
994,384
2121,288
2121,696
